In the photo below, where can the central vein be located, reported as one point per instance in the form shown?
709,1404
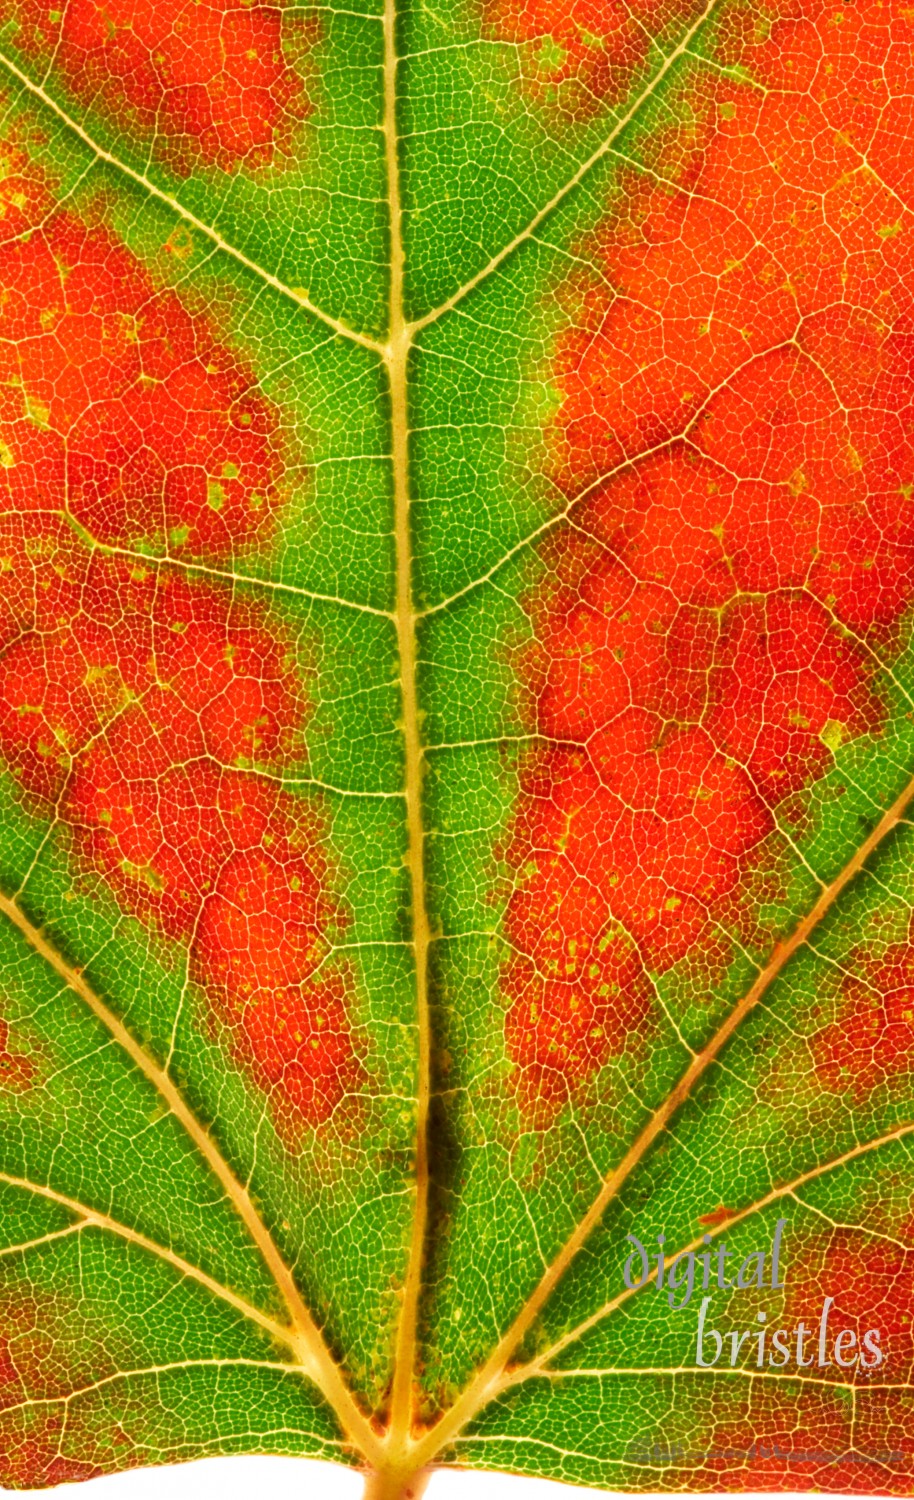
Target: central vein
396,358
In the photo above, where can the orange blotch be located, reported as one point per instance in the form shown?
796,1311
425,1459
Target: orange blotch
869,1279
644,833
134,726
777,1436
573,997
776,1440
210,82
153,711
42,1360
261,943
35,1333
120,405
697,655
782,681
694,297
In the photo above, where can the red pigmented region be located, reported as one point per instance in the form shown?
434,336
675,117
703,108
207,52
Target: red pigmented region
30,1456
778,1439
207,81
580,54
155,710
112,393
48,1349
718,1216
870,1043
30,1363
735,426
869,1279
261,941
574,999
17,1074
796,1434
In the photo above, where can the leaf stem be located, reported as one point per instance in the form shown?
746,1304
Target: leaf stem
391,1482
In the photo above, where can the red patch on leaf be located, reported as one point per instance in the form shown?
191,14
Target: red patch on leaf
796,1433
868,1277
9,1375
784,1439
113,394
259,948
871,1041
704,633
717,1216
207,79
30,1356
144,706
39,1368
17,1074
581,54
573,1000
30,1455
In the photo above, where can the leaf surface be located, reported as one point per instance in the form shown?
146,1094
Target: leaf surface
456,738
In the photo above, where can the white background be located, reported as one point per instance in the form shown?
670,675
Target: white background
304,1479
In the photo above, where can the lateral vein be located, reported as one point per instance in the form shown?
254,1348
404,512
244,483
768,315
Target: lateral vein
540,1364
190,218
313,1353
94,1218
66,1397
488,1379
568,187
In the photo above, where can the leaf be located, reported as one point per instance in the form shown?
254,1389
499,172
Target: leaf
457,739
